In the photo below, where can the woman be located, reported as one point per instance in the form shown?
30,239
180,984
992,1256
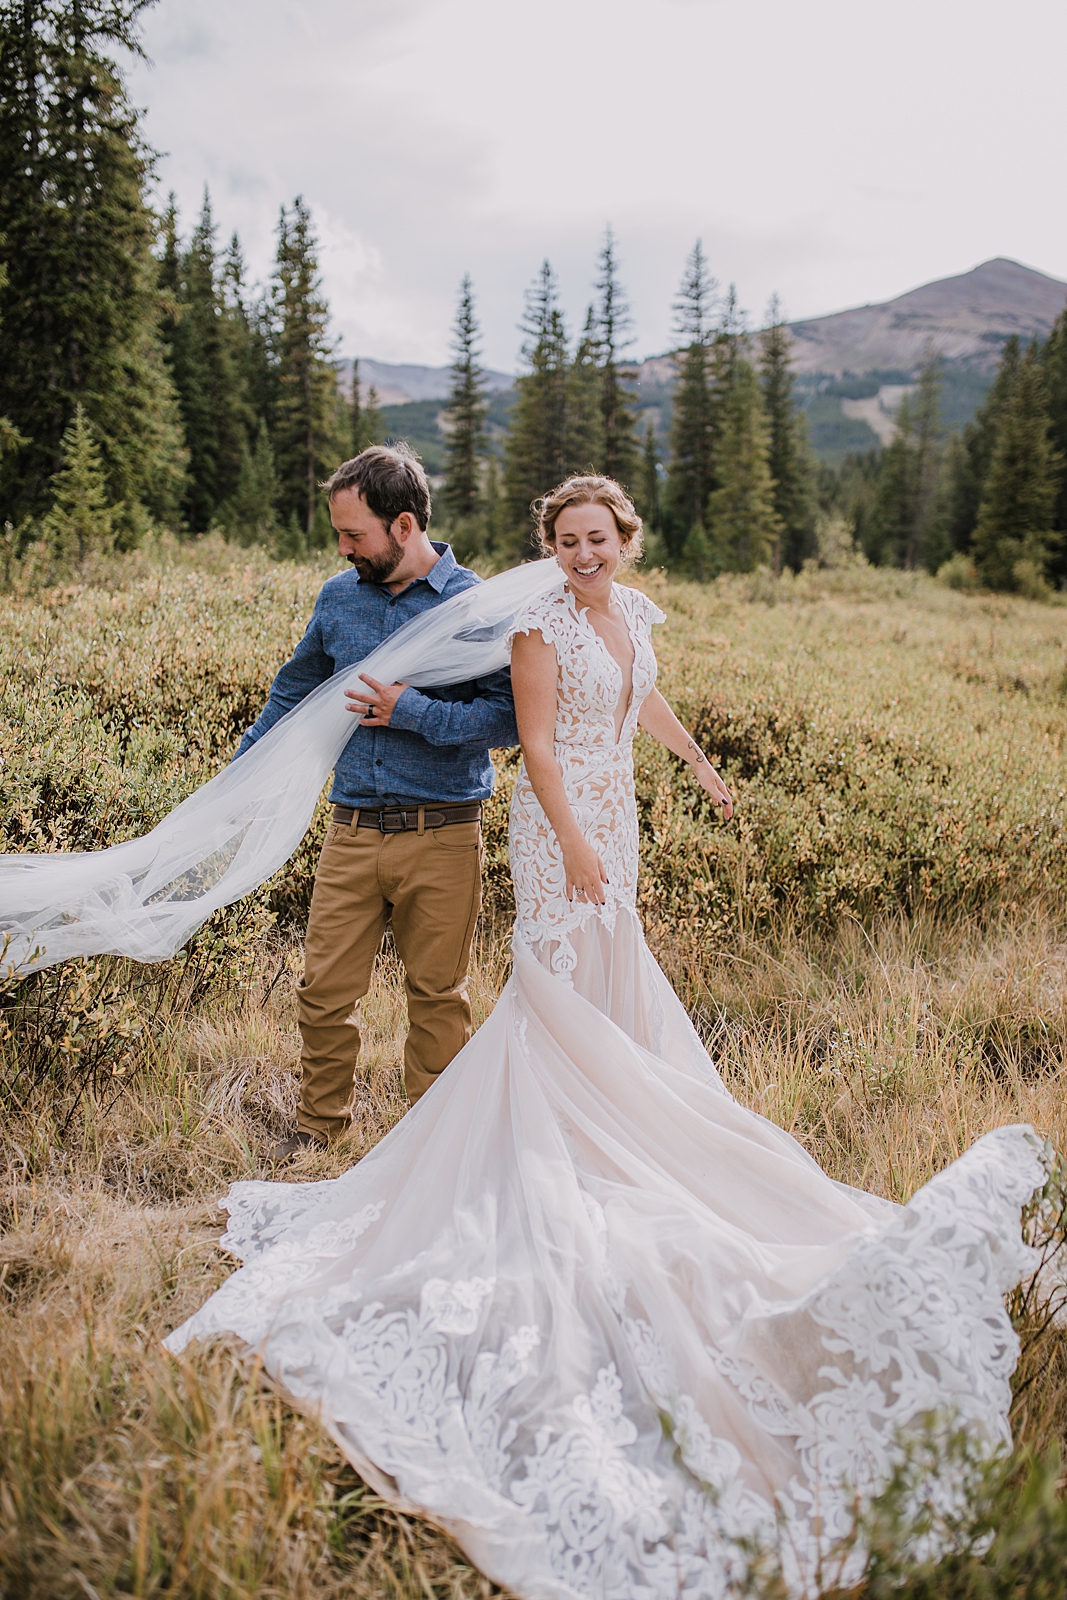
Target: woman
616,1333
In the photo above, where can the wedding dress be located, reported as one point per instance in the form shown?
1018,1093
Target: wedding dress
616,1333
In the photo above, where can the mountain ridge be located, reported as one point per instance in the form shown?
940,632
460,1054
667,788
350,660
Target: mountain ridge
966,317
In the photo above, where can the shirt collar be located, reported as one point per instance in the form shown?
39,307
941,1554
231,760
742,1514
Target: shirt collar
442,570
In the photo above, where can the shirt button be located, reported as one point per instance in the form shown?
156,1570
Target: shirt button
377,763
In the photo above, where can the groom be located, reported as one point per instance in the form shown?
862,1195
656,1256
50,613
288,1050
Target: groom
404,845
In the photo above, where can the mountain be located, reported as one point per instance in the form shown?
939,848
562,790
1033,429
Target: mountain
967,318
397,384
853,366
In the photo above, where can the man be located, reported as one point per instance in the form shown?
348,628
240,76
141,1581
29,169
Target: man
404,845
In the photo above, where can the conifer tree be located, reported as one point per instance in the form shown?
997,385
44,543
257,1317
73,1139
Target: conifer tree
789,455
466,411
649,496
310,432
250,515
923,545
905,527
890,526
584,428
374,429
743,526
969,465
367,422
619,451
692,473
209,367
1054,360
81,519
536,455
1014,535
79,319
248,319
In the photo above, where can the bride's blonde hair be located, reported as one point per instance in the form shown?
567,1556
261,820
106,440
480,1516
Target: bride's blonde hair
590,490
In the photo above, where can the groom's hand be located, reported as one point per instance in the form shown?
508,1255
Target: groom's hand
374,704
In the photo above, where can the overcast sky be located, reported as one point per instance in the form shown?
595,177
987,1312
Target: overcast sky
834,151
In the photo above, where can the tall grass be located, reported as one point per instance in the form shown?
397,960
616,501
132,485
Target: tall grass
876,954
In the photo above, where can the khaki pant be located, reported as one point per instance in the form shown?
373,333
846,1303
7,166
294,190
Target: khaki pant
429,886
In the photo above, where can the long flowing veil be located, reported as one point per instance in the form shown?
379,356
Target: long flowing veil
146,897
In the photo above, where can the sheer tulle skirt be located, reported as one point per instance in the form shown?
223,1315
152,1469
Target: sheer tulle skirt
609,1328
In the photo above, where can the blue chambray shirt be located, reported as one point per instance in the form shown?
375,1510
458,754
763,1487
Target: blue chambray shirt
437,744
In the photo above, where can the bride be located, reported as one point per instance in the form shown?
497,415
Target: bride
614,1332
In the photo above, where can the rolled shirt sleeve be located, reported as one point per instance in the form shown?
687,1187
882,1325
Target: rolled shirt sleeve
307,667
487,719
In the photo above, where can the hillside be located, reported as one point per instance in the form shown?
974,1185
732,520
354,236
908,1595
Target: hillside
854,366
399,385
967,318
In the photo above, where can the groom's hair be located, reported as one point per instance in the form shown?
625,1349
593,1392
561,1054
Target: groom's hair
391,480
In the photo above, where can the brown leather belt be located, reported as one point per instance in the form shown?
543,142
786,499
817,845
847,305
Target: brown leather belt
409,819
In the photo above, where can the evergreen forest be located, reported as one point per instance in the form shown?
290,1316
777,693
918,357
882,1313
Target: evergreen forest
144,381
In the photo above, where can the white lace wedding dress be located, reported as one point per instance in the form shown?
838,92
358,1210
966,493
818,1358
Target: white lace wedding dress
613,1331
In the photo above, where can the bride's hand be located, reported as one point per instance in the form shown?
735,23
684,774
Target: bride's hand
585,873
710,781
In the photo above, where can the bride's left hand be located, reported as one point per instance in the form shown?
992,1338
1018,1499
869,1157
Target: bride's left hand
710,781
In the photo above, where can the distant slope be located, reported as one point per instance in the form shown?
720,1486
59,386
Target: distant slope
398,384
967,318
853,366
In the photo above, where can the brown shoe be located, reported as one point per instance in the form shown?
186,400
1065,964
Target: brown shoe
286,1149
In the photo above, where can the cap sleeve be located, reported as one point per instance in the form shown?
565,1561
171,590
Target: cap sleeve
546,615
643,611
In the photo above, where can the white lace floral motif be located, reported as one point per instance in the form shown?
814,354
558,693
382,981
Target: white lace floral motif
597,770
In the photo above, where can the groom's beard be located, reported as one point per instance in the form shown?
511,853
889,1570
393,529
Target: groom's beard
379,569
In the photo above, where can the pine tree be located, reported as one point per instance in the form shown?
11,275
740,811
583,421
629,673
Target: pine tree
619,451
374,429
890,526
250,515
536,456
924,543
1014,535
1054,360
248,320
584,426
310,429
649,497
366,421
208,365
691,475
81,519
743,525
789,455
80,314
969,465
466,412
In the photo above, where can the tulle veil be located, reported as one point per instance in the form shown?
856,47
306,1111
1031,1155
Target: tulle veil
146,897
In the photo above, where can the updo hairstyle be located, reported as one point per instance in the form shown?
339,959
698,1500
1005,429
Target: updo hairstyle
590,490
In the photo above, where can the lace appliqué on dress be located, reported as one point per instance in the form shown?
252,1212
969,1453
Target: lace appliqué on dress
597,773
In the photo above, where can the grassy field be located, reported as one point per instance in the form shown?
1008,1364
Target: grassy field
875,950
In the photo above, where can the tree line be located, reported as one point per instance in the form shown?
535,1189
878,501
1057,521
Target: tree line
144,380
732,486
141,379
987,505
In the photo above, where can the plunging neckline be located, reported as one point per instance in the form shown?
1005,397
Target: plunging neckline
580,613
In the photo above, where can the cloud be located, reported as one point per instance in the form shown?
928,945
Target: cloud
833,152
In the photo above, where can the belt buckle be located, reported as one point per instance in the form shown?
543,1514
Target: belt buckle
391,811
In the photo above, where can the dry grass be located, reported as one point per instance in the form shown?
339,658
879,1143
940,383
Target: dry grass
886,1036
128,1473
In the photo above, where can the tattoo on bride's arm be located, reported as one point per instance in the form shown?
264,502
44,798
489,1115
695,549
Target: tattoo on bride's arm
698,755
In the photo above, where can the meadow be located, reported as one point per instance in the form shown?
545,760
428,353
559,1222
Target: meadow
875,950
